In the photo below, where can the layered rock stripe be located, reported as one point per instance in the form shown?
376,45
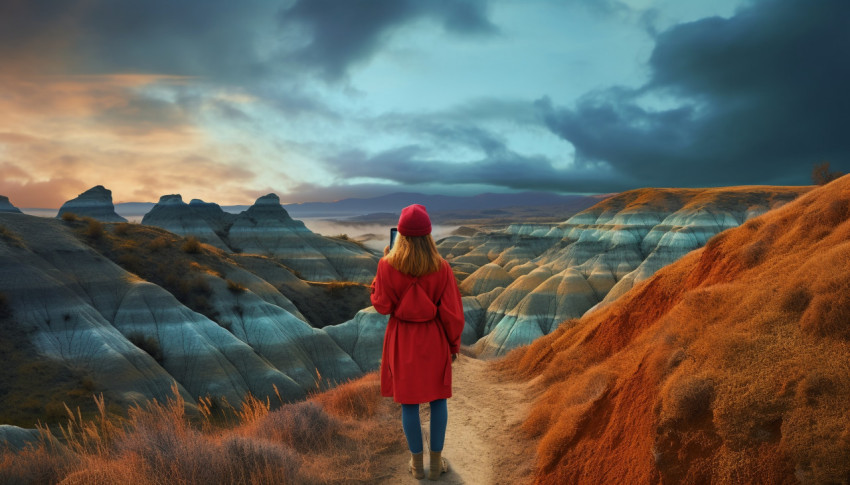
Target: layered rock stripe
730,365
95,202
266,229
82,309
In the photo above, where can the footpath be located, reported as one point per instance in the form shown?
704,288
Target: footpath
483,445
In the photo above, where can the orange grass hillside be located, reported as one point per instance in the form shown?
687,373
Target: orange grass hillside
338,436
736,198
731,365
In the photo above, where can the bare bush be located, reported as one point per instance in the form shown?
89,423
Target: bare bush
304,426
191,245
121,229
821,174
149,344
94,229
10,237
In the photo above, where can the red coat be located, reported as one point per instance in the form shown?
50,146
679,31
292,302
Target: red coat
426,321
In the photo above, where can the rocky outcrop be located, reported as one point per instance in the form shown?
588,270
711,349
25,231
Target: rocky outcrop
6,206
204,220
552,273
266,229
15,438
95,202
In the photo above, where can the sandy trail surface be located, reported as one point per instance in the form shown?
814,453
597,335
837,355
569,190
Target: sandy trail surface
483,445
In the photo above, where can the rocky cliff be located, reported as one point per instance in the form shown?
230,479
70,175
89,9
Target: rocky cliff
95,202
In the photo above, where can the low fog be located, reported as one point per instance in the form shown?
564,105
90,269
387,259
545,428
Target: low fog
375,236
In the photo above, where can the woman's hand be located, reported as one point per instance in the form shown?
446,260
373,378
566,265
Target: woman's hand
454,357
386,250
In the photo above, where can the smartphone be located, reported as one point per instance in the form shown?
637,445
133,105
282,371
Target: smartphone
393,233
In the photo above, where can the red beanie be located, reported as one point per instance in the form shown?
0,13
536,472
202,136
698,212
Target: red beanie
414,221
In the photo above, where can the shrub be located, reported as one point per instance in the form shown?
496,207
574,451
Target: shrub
121,229
688,399
158,243
148,343
41,464
69,216
191,245
821,174
359,399
257,461
94,229
304,426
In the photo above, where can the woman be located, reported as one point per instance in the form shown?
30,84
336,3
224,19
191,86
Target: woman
418,289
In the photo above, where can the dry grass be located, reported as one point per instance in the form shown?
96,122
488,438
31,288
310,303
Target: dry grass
11,238
161,258
731,365
121,229
159,444
33,390
69,216
94,228
191,245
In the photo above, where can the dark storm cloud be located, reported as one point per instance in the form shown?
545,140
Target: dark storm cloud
221,39
762,97
414,165
271,49
345,33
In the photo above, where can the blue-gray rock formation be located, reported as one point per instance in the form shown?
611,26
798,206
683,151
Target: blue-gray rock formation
6,206
266,229
135,338
548,274
95,202
522,282
204,220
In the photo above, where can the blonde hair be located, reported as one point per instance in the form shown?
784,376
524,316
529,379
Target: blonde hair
415,255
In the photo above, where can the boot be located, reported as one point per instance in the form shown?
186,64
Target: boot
438,465
417,467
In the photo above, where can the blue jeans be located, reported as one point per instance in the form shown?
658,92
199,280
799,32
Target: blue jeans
413,430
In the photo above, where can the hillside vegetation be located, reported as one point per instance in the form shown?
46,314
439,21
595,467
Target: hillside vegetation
339,436
731,365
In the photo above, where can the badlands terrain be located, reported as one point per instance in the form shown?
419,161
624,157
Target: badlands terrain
659,336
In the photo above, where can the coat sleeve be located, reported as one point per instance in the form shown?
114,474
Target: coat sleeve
378,292
451,311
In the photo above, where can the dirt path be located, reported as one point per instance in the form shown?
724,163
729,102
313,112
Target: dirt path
482,444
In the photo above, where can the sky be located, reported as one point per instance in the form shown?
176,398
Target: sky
320,100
